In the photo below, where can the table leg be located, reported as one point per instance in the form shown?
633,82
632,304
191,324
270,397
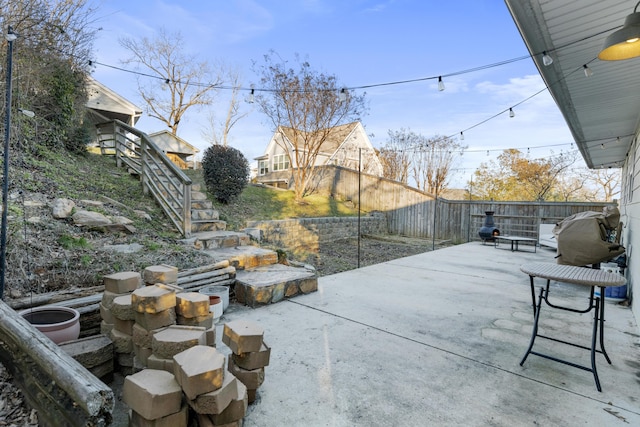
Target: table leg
534,334
594,337
533,295
604,352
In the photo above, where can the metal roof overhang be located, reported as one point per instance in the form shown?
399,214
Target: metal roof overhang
598,109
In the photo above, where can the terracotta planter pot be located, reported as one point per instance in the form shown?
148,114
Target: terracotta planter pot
59,324
216,306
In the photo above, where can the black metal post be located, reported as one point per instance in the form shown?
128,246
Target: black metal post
359,210
5,185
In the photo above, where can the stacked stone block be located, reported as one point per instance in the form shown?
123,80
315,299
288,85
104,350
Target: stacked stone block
117,317
249,354
155,399
165,274
192,309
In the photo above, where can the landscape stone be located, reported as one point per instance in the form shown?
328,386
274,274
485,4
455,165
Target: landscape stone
152,321
198,370
236,410
122,343
152,299
252,379
205,321
62,208
243,336
179,419
90,351
122,309
155,362
192,304
90,218
105,314
122,282
106,328
254,359
214,402
124,326
160,274
107,299
142,337
152,394
175,339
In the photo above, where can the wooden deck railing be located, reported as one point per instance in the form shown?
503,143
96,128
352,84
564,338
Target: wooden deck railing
166,182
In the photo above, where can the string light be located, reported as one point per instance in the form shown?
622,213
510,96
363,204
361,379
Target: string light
342,96
587,71
461,136
440,84
252,95
546,59
512,114
602,146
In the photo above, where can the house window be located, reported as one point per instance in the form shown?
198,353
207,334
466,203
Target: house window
263,167
280,162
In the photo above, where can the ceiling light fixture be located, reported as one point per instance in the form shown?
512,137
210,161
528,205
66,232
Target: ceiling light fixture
546,59
624,43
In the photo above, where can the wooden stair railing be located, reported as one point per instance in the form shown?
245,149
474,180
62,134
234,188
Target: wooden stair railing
166,182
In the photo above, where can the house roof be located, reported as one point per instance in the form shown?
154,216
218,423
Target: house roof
109,104
171,143
336,137
599,108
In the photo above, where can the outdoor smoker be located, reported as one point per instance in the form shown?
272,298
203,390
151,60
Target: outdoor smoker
589,237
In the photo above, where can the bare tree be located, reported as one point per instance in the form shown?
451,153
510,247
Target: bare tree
217,132
606,182
309,104
396,156
181,81
434,161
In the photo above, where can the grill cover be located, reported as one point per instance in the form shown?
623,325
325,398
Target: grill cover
587,237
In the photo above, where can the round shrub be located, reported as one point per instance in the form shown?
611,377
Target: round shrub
226,172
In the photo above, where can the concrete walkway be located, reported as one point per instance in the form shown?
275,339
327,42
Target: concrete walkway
436,339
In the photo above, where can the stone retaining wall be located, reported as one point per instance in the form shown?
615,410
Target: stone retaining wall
310,232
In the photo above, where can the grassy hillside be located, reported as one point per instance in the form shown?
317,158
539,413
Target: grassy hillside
46,254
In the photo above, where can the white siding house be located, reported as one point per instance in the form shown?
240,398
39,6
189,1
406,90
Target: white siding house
347,146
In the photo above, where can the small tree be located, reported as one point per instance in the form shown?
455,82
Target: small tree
311,104
226,172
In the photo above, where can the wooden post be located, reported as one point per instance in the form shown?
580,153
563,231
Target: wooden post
62,390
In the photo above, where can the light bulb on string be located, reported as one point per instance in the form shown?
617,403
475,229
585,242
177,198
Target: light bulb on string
512,114
602,146
252,95
342,96
461,136
587,71
546,59
440,84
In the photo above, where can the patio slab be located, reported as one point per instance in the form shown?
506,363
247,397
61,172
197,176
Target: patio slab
436,339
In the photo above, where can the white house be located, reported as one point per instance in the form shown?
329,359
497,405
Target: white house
347,146
599,98
106,105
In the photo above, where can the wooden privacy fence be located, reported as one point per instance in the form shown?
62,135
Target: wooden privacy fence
414,213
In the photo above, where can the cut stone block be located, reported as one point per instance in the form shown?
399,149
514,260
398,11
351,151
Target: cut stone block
160,274
105,314
122,343
210,337
143,338
152,393
125,326
142,354
125,359
152,321
122,309
205,420
192,304
106,328
216,401
243,336
273,283
251,379
254,359
152,299
174,339
90,351
179,419
122,282
205,321
155,362
107,299
198,370
252,394
236,410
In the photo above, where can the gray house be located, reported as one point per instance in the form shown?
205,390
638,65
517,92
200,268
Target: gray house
599,98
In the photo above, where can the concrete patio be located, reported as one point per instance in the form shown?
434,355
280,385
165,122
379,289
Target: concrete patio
436,339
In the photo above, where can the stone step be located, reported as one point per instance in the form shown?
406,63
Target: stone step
208,214
217,239
244,257
201,204
207,225
273,283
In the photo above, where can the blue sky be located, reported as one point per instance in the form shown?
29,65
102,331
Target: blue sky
363,43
